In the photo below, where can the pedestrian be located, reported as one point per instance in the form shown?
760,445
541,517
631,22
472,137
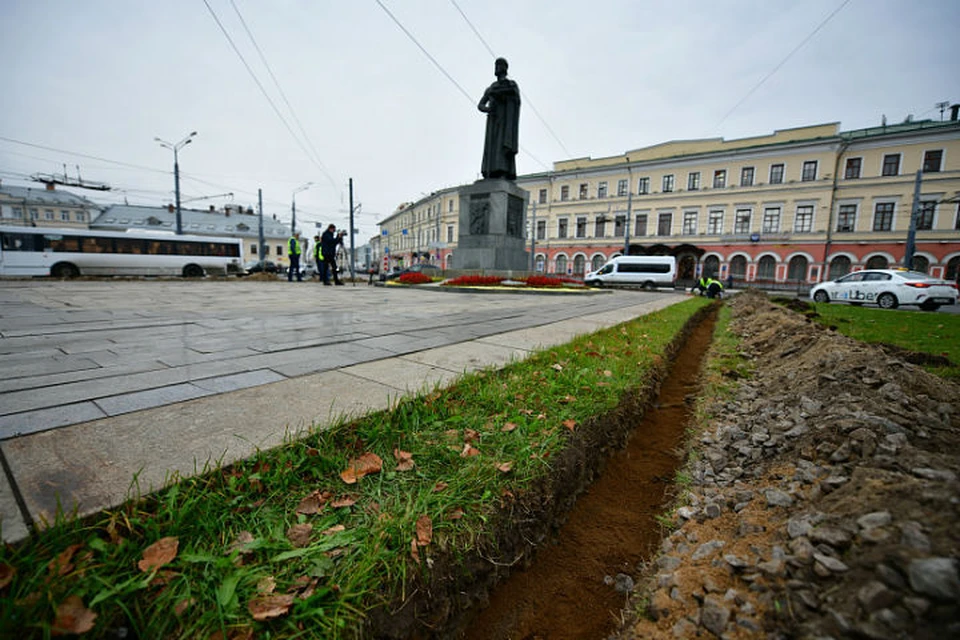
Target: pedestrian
318,259
328,245
293,252
709,287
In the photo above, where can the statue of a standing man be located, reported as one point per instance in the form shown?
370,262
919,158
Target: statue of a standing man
501,103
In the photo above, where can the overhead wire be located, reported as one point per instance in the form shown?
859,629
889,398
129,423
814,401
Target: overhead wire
266,95
784,61
526,98
442,70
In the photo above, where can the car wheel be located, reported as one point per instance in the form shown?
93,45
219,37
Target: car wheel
821,296
649,285
888,301
192,271
64,270
593,283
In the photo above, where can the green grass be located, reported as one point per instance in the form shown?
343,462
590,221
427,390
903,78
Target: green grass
924,332
234,526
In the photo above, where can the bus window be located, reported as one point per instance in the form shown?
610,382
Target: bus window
97,245
62,243
129,245
21,242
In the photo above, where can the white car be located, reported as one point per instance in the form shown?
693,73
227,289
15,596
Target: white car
888,288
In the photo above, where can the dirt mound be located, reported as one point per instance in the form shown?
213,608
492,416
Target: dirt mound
823,499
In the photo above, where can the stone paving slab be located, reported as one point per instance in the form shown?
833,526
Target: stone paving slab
45,419
468,356
12,525
404,376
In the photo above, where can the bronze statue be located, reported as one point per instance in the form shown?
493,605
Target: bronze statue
501,103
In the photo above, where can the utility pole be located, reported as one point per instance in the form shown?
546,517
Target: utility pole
533,239
912,233
352,250
263,245
176,170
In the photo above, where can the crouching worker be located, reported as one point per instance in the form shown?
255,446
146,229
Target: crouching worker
708,286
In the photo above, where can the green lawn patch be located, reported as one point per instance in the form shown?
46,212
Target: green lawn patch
350,526
921,332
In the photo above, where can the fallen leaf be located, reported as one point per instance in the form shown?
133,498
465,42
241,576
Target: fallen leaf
304,587
541,416
63,563
6,574
159,553
451,434
440,486
505,467
267,584
270,606
424,530
557,367
311,452
567,399
344,501
607,373
73,617
570,424
508,427
404,460
471,435
358,467
314,502
469,450
526,412
456,514
299,535
244,538
337,528
183,605
414,553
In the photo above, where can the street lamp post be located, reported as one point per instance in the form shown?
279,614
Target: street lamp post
293,207
176,171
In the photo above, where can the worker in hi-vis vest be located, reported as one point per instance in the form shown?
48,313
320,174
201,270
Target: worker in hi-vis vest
293,252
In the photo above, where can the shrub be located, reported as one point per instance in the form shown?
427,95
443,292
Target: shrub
415,278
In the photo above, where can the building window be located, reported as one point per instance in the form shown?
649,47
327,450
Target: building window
891,164
809,172
450,231
602,189
847,218
925,215
746,177
689,223
741,224
600,226
622,187
253,249
640,224
667,183
81,216
803,223
776,174
932,161
34,214
664,224
719,178
564,193
581,227
852,172
797,269
583,191
715,222
541,229
450,205
956,221
578,263
619,225
48,214
543,196
562,228
693,181
562,264
64,215
766,268
598,261
280,250
771,220
643,186
883,216
17,213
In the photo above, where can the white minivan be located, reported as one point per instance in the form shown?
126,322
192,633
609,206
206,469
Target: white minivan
648,272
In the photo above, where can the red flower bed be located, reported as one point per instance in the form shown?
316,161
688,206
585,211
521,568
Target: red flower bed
546,281
474,281
415,278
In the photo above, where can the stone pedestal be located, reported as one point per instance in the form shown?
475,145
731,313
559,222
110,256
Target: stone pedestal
492,224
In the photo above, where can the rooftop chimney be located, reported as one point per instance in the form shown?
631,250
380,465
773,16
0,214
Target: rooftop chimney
171,208
213,208
51,186
953,112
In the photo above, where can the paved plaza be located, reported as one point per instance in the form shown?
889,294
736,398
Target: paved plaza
114,386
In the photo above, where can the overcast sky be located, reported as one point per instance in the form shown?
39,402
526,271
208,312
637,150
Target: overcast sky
103,78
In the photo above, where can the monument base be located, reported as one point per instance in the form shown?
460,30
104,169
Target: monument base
491,234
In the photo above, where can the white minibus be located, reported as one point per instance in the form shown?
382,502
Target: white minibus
648,272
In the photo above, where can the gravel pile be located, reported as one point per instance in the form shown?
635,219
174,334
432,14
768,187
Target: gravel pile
823,499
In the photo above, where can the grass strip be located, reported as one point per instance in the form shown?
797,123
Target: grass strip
306,539
936,334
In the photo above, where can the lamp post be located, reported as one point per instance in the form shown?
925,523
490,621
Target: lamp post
176,170
293,206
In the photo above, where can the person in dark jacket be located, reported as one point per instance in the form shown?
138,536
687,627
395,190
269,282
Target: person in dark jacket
328,246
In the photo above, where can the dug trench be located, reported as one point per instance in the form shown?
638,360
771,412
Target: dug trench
566,552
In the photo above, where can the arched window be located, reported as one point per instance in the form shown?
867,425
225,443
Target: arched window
877,262
920,263
578,263
797,269
539,263
766,268
711,266
598,261
953,269
562,265
738,268
839,267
